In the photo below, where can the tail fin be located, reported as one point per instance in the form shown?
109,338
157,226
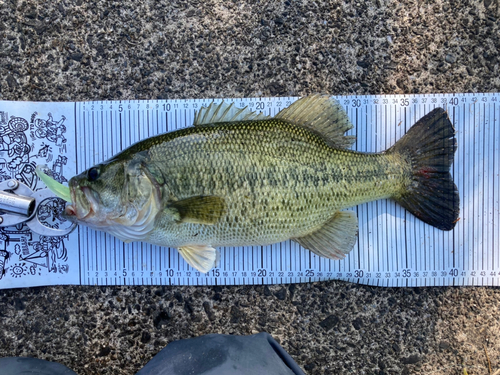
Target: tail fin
431,195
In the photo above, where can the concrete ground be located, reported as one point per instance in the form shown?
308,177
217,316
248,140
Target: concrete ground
68,50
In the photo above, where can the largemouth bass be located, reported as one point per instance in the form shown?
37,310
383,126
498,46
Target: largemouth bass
248,179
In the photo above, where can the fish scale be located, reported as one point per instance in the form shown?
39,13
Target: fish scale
314,179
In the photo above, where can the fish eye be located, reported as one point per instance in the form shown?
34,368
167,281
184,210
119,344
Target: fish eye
93,174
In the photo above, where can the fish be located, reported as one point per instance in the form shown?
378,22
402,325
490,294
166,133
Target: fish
240,178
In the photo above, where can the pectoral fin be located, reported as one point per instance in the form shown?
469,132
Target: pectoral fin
198,210
335,239
201,257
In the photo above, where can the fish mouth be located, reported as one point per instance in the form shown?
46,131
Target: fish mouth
83,203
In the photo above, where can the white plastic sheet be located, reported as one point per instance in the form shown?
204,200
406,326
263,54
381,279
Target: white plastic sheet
394,248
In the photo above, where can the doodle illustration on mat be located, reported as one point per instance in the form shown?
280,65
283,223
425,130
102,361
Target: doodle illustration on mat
23,145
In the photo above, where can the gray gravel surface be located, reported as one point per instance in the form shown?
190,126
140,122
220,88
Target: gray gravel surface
68,50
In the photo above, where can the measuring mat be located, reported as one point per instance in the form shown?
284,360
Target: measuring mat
393,249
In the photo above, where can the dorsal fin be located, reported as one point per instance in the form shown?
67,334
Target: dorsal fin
223,112
323,115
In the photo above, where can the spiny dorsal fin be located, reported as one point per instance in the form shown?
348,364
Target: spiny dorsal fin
223,112
201,257
335,239
323,115
198,210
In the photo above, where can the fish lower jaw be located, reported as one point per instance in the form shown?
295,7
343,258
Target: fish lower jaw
73,214
83,204
89,217
70,212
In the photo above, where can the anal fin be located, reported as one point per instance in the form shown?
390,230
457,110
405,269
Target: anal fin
335,239
201,257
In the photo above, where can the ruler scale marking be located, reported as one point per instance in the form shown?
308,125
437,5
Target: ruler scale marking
393,247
